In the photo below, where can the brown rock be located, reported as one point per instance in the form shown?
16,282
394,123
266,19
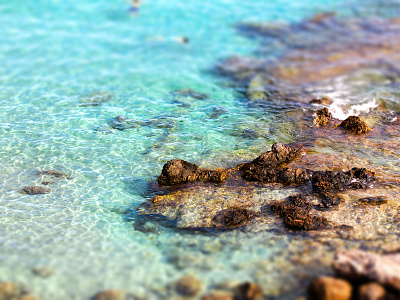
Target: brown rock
321,121
355,125
8,290
27,297
324,101
250,291
329,288
34,190
366,266
188,286
373,201
296,214
109,295
55,174
371,291
217,295
230,218
178,171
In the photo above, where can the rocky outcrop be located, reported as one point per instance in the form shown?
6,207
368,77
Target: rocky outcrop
323,117
355,125
177,171
34,190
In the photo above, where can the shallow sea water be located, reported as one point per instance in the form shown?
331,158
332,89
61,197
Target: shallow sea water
55,56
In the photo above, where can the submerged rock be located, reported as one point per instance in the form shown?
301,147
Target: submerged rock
250,291
109,295
54,174
188,286
232,217
329,181
372,201
355,125
296,214
122,123
219,295
178,171
34,190
95,98
191,93
357,265
329,288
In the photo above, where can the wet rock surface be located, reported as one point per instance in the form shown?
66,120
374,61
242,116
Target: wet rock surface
355,125
178,171
34,190
296,214
188,286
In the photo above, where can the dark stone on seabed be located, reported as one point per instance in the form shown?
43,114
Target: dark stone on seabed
188,286
230,218
329,288
191,93
329,181
372,201
34,190
250,291
55,174
296,214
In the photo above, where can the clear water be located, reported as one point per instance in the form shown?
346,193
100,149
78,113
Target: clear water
56,53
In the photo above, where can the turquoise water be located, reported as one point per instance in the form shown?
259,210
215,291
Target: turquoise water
55,56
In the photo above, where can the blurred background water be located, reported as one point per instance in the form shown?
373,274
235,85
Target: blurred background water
56,57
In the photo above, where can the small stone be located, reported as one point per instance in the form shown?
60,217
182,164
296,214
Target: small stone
34,190
219,295
188,286
55,174
109,295
233,217
371,291
321,121
250,291
329,288
8,290
43,271
355,125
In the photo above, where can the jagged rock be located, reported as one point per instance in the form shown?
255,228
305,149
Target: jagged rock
188,286
371,291
355,125
296,214
250,291
267,167
323,117
34,190
178,171
373,200
328,181
357,265
329,288
109,295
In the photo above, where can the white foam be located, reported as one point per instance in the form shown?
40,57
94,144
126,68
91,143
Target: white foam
339,108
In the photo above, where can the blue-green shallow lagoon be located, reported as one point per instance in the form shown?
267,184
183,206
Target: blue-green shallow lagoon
55,55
